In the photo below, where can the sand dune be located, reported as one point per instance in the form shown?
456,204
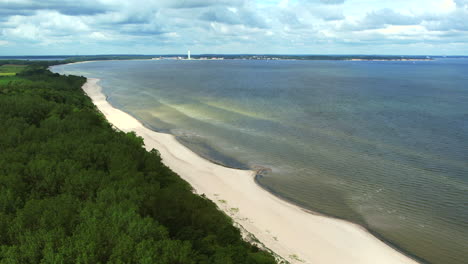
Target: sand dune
289,231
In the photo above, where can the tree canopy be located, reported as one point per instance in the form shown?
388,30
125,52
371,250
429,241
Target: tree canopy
75,190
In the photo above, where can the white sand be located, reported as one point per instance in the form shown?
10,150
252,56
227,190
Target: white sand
286,229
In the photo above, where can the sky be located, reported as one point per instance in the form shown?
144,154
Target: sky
84,27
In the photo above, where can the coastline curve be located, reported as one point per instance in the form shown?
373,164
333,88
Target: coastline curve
294,234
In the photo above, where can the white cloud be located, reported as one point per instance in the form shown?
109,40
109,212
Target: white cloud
291,26
101,36
447,6
24,31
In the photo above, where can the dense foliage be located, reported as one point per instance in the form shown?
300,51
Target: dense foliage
29,62
74,190
10,69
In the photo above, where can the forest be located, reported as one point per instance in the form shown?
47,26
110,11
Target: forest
75,190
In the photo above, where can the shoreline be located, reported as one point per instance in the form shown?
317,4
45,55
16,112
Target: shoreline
310,237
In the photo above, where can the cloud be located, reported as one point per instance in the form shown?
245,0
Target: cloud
144,30
461,3
457,20
230,26
327,13
289,18
67,7
332,2
233,16
5,13
201,3
382,18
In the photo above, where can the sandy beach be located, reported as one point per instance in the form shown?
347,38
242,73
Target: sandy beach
286,229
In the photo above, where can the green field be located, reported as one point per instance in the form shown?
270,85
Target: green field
10,69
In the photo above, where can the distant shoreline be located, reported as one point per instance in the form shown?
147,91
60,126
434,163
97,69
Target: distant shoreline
73,59
255,209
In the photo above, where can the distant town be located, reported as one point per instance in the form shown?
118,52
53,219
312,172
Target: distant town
292,57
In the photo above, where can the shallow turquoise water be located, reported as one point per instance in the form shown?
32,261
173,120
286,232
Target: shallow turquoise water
383,144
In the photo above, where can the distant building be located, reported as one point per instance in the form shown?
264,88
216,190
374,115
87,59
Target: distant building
188,55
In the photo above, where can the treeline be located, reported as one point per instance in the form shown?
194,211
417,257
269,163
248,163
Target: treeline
33,63
55,60
74,190
108,57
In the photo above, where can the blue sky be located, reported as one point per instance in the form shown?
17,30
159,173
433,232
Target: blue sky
54,27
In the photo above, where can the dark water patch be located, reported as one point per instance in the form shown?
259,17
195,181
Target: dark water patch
208,152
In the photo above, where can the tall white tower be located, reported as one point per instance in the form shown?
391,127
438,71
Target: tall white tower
188,55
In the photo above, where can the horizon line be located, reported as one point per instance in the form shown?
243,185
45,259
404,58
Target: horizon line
234,54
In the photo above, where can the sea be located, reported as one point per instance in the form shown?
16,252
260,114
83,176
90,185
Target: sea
383,144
